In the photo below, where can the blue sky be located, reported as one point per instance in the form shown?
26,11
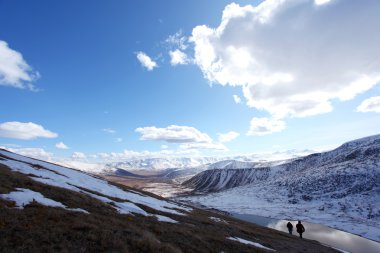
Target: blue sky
90,91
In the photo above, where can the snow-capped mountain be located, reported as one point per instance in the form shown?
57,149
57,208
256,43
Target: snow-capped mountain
204,163
339,187
231,173
162,163
221,179
231,164
224,175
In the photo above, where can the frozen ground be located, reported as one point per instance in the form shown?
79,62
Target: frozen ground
340,214
338,188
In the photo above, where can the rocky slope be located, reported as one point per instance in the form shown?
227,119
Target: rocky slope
354,166
340,188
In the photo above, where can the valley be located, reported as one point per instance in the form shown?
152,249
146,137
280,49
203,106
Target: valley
338,188
49,208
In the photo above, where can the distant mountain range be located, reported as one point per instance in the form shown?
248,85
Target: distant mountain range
341,186
202,163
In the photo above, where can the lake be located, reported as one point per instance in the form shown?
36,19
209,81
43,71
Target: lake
325,235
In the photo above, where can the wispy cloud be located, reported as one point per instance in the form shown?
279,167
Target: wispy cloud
109,130
177,40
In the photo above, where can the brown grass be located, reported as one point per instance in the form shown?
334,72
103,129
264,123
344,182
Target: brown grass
38,228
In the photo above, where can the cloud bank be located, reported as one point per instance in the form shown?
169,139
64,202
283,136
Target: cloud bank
292,57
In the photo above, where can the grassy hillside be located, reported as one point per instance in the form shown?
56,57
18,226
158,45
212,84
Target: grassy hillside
39,228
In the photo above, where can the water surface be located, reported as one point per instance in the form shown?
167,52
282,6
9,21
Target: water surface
325,235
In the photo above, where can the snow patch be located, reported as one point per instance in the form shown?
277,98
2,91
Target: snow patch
23,197
63,177
218,220
258,245
165,219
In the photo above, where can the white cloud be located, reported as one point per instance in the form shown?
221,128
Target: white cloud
146,61
292,58
227,137
164,146
78,155
214,146
263,126
177,40
14,71
370,105
321,2
118,139
237,99
61,145
37,153
24,131
109,130
173,134
178,57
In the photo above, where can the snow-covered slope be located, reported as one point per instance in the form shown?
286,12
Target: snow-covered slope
340,188
223,175
231,173
63,209
221,179
122,200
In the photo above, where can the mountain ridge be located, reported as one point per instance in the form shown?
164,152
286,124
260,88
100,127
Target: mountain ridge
341,186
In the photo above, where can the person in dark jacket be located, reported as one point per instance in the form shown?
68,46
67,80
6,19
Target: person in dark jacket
290,227
300,228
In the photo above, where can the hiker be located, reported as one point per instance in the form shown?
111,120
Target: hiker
290,227
300,228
